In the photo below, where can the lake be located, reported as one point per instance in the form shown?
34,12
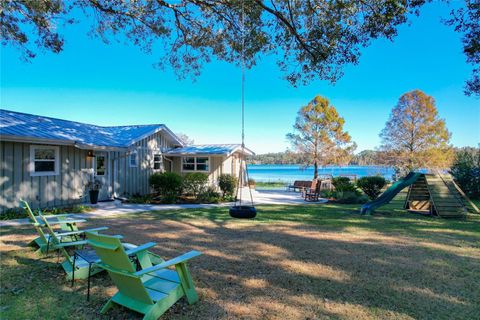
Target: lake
290,173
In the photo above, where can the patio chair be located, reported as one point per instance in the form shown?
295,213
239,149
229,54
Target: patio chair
68,225
150,291
59,242
313,194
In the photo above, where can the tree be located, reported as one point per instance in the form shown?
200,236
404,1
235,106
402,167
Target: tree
311,38
414,136
366,158
318,134
466,170
466,20
185,139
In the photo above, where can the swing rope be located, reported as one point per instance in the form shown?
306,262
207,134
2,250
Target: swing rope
243,163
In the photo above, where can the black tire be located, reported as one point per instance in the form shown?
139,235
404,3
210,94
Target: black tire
243,212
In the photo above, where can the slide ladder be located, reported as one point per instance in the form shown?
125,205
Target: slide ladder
418,198
458,192
446,201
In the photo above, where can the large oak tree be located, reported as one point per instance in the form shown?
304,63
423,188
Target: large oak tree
311,38
467,21
319,136
414,135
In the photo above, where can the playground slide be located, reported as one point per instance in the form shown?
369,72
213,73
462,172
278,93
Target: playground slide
390,193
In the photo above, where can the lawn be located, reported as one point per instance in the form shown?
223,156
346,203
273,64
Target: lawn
292,262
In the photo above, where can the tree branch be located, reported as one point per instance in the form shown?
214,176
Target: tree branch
289,26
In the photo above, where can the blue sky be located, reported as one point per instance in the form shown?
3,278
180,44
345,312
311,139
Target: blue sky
116,84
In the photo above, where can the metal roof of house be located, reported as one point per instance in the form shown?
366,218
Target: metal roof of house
30,127
208,149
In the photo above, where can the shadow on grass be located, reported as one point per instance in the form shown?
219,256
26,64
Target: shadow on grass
291,262
341,217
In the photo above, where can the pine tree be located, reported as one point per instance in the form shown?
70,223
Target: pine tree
319,135
414,136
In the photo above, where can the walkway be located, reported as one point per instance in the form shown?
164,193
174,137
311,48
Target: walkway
260,197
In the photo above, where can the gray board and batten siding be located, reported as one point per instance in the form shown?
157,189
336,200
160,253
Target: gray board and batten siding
68,187
74,144
64,188
128,180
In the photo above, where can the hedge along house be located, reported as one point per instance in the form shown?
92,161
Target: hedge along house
49,161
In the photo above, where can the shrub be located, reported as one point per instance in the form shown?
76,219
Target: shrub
209,195
169,198
466,171
17,213
372,186
13,213
140,199
231,198
167,184
194,183
327,194
350,197
343,184
227,184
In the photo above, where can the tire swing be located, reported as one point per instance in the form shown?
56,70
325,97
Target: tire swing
239,209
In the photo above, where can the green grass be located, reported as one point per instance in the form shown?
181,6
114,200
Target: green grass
314,261
266,185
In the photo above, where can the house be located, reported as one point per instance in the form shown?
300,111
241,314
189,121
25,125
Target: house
49,161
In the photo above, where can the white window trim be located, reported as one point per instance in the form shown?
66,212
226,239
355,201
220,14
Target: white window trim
130,159
32,161
157,153
195,164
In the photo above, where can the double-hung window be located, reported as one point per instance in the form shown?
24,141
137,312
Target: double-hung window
133,159
195,164
157,161
44,160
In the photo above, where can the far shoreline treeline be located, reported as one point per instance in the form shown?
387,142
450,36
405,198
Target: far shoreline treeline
363,158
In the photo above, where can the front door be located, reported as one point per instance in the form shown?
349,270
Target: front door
101,171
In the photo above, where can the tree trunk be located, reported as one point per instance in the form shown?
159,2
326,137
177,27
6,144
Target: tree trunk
315,169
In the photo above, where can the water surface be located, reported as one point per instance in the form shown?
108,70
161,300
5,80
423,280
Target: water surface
290,173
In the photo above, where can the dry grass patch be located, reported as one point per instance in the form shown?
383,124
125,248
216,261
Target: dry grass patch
291,263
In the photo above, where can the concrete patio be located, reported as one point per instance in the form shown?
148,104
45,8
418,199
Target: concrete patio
110,208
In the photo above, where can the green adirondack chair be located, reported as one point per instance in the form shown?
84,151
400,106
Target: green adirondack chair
58,241
61,242
70,230
150,291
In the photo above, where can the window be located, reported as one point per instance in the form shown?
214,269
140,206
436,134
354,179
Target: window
195,164
133,159
188,164
202,164
44,160
157,161
100,165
